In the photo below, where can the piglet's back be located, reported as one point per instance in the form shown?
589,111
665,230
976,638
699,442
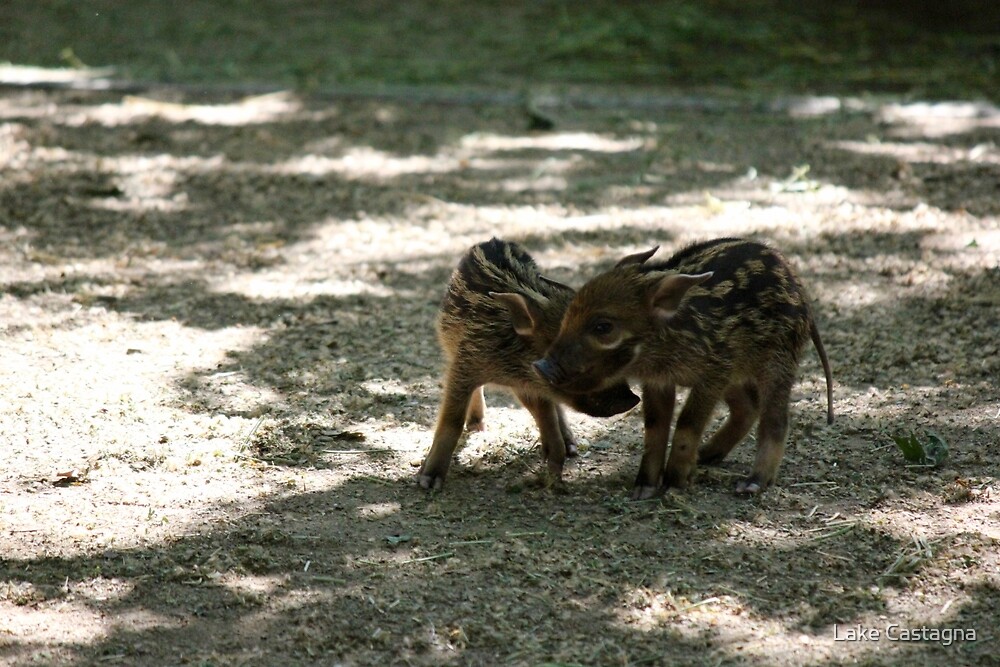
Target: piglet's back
753,295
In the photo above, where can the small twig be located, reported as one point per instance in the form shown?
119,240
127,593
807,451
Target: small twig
380,450
683,505
907,562
745,595
829,555
720,472
447,554
644,501
246,440
836,533
373,478
464,543
526,533
832,524
827,483
710,600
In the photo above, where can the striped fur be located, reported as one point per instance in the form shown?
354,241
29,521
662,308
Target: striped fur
495,292
728,318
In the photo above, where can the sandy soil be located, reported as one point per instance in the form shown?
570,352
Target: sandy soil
219,374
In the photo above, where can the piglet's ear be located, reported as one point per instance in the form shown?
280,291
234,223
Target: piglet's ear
523,313
638,258
670,292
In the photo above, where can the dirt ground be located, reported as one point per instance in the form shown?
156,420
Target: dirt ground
219,373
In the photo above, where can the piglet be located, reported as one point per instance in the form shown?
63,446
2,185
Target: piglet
727,318
498,315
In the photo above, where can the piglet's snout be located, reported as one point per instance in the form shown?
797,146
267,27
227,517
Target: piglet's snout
548,371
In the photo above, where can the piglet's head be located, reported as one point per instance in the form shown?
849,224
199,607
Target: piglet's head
536,319
602,333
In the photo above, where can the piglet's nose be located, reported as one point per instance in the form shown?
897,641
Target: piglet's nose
547,370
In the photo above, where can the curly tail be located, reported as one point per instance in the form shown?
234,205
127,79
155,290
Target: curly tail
814,334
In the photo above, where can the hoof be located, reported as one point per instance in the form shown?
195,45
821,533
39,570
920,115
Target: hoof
748,487
645,492
677,480
544,480
430,482
475,426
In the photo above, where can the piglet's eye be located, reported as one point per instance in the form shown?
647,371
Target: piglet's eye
601,328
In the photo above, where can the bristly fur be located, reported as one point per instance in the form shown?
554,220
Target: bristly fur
727,317
498,315
471,320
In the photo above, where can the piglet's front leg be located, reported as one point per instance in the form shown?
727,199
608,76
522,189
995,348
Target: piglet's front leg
550,428
458,392
691,425
657,412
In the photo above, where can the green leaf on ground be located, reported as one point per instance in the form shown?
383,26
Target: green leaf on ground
930,451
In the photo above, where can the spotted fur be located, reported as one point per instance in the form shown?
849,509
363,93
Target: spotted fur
728,318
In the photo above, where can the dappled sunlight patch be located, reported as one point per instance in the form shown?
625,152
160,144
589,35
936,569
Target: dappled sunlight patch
939,119
13,147
247,111
433,228
727,624
381,387
895,401
69,623
283,284
390,436
251,589
21,75
972,245
648,609
732,629
119,398
135,183
144,184
352,242
364,161
374,511
236,393
541,182
923,152
782,201
817,106
553,141
852,294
